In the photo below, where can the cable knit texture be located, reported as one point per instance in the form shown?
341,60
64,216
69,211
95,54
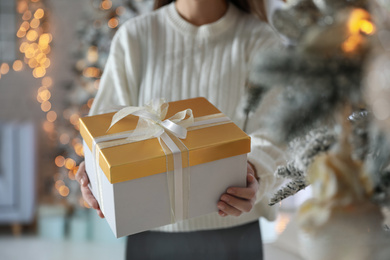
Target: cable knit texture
162,55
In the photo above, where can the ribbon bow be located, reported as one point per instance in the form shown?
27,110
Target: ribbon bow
151,121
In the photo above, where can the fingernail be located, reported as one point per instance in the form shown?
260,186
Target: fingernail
231,191
82,181
225,198
221,206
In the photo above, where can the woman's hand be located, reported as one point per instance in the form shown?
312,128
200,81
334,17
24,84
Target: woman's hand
239,200
82,178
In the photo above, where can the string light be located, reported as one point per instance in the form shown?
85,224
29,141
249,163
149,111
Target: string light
51,116
64,191
69,163
4,68
47,81
48,126
113,22
17,65
64,139
60,161
106,4
359,24
34,40
45,106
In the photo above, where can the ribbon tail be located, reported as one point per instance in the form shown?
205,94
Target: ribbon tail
124,112
179,213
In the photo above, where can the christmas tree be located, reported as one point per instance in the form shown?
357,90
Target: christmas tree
337,137
94,35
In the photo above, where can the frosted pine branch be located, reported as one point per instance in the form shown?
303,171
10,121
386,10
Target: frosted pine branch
290,189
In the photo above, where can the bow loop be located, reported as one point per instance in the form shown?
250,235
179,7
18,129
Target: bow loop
151,121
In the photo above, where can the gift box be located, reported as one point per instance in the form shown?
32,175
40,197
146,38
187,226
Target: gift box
165,162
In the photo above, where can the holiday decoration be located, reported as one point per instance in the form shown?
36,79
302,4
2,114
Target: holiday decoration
338,140
90,51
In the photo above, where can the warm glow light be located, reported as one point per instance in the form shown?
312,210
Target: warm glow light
51,116
78,148
76,141
64,191
25,26
91,72
113,22
92,55
27,15
45,63
18,65
71,175
32,63
23,47
358,23
281,223
106,4
81,64
48,126
30,52
45,39
46,50
64,139
41,57
367,27
69,163
352,43
89,103
66,114
60,161
39,13
39,72
35,23
47,81
4,68
22,6
32,35
46,106
21,33
74,119
44,95
58,184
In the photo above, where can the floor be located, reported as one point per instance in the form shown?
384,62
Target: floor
278,237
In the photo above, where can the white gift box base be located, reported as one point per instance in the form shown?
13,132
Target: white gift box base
143,204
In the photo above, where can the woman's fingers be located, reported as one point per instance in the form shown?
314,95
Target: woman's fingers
248,192
82,178
89,198
239,200
81,175
241,205
228,209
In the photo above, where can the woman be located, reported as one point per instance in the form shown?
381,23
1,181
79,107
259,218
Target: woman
185,49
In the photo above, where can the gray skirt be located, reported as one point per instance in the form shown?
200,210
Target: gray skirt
241,242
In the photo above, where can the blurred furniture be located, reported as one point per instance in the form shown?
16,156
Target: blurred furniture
17,174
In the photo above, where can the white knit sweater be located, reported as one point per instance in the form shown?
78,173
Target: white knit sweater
162,55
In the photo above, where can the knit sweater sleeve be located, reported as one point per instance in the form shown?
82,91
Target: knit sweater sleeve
265,154
119,83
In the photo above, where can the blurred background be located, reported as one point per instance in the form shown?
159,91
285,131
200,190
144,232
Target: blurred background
52,53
